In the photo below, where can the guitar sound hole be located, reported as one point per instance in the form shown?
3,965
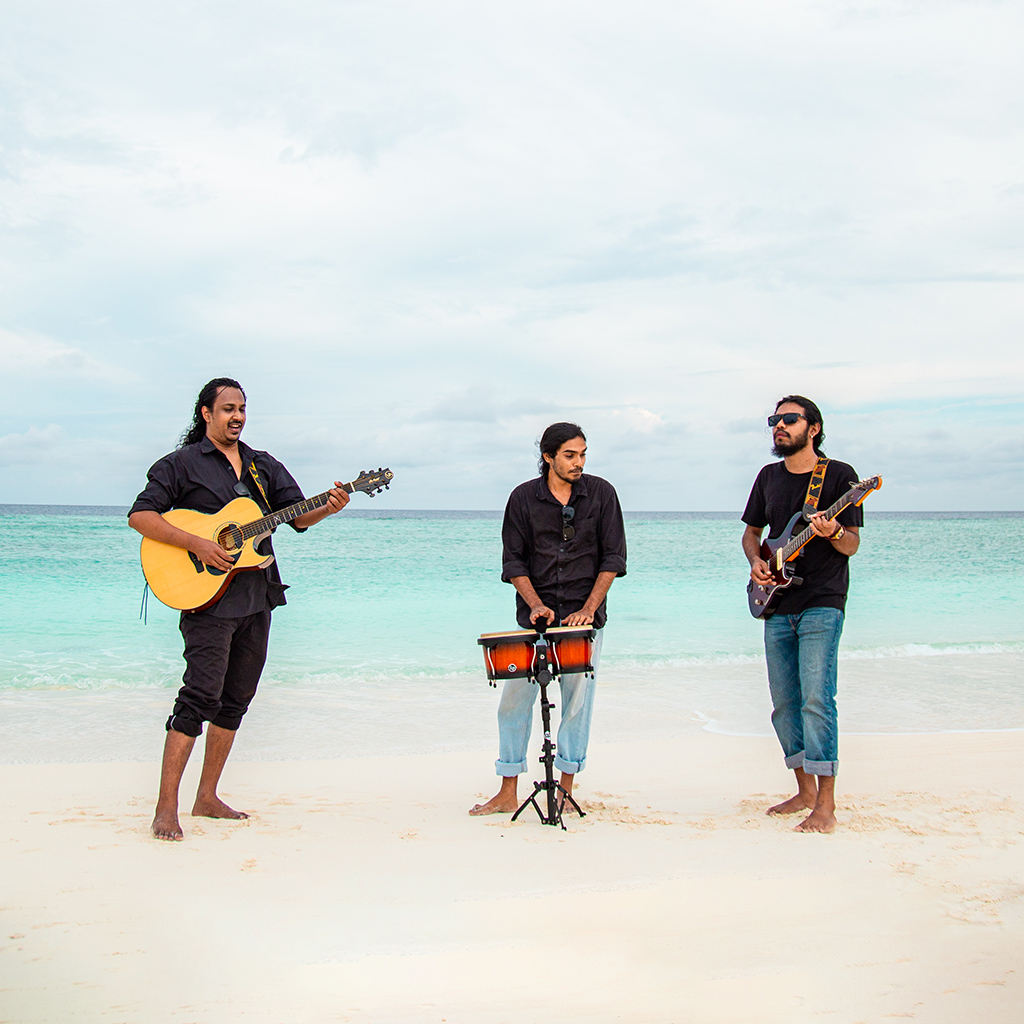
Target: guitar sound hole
230,538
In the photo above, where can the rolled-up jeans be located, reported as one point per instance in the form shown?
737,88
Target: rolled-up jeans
802,653
515,720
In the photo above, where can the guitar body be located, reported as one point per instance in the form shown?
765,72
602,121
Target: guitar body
780,552
759,598
182,581
178,578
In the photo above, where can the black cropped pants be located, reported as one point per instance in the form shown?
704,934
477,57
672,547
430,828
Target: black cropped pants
224,658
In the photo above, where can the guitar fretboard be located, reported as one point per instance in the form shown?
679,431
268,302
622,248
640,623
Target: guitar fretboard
784,554
286,515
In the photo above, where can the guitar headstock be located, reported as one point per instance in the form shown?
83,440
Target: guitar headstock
862,488
373,482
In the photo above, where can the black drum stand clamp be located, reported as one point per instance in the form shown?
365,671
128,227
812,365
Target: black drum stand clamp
542,675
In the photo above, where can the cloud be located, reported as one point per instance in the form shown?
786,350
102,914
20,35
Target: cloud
418,233
29,446
35,357
639,420
484,405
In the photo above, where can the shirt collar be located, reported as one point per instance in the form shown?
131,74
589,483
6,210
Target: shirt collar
206,446
579,490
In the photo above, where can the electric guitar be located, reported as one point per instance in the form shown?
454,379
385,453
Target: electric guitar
780,551
180,579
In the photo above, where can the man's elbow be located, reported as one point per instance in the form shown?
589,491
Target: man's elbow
144,521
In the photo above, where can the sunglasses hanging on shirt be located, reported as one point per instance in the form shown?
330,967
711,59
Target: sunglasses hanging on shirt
568,530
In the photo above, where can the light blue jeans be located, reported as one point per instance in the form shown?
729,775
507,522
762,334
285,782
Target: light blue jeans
802,653
515,720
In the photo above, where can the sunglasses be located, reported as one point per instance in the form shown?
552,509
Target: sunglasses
789,418
568,531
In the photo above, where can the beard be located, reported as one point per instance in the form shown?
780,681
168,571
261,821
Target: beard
570,476
782,447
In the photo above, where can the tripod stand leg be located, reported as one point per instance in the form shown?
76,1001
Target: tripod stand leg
522,807
554,818
532,799
566,795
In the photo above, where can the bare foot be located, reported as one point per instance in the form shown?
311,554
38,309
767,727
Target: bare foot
499,804
794,805
819,820
165,826
505,801
214,807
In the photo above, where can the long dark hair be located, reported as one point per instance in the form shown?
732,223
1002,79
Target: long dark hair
812,414
197,431
553,438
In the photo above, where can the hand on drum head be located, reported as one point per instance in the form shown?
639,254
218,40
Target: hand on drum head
580,618
538,611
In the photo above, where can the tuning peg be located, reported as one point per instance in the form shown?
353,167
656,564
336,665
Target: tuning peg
387,487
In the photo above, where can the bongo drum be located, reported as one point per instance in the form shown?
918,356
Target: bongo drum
573,648
508,655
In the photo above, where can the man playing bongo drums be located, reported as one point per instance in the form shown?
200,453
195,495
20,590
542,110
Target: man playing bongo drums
563,543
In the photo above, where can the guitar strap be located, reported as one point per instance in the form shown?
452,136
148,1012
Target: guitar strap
814,487
256,480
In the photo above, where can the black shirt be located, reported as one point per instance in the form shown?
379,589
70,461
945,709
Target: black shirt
200,477
776,495
562,572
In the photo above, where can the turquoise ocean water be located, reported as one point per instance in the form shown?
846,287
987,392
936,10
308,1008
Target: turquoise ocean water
377,650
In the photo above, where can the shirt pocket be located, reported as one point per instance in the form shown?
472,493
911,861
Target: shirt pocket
586,533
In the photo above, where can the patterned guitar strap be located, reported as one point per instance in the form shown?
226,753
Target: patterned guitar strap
266,503
814,487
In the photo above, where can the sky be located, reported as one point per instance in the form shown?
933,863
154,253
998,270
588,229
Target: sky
419,232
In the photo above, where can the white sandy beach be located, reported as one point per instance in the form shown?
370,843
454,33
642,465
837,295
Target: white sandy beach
360,890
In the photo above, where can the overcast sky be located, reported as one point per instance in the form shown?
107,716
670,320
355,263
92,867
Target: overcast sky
418,232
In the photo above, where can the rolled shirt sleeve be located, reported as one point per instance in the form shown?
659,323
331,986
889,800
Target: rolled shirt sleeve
515,529
162,486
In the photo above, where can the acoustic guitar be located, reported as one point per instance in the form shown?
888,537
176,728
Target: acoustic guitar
780,551
181,580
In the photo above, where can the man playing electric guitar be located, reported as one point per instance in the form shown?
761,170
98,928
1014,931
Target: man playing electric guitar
805,620
226,643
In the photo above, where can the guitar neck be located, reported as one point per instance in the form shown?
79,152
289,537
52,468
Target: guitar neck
286,515
806,535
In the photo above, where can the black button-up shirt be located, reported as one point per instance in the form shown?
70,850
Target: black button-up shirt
563,572
200,477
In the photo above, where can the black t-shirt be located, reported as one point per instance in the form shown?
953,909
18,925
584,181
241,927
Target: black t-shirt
776,495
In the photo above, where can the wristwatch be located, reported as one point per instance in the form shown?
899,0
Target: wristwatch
839,534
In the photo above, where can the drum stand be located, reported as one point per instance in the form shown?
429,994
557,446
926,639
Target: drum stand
542,676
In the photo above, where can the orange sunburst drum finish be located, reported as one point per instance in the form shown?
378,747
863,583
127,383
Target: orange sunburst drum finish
511,655
574,654
508,655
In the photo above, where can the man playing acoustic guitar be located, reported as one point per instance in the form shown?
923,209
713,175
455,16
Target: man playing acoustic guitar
226,643
802,629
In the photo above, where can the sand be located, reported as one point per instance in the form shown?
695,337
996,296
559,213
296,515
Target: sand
360,890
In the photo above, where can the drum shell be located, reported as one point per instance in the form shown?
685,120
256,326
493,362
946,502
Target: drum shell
508,659
574,654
